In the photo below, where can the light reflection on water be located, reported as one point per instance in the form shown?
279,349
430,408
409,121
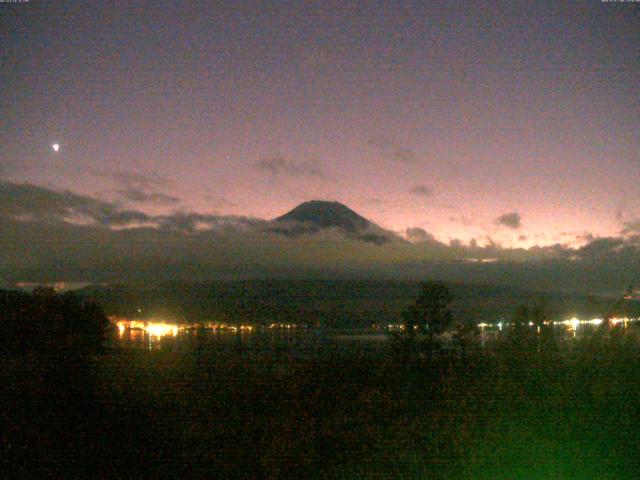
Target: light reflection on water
155,335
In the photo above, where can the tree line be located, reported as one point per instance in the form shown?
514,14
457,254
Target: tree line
44,320
429,317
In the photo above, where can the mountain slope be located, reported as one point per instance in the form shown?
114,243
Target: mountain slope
316,215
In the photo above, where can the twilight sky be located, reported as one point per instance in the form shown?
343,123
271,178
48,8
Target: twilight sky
514,121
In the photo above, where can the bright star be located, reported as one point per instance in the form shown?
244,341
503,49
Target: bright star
55,147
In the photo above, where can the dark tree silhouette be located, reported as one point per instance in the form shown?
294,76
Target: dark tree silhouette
430,313
610,308
45,320
530,327
520,334
521,318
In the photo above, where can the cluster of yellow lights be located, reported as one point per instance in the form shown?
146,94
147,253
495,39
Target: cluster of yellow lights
224,326
241,328
571,323
616,321
575,322
162,329
283,325
154,329
395,326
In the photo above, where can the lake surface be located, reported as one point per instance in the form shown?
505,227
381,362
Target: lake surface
150,335
299,341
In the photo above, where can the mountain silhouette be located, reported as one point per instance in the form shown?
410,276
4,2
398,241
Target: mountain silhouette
316,215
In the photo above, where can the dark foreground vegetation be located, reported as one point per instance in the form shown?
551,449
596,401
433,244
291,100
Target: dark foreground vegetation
44,321
520,408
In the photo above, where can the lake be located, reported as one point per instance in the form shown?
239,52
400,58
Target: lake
301,340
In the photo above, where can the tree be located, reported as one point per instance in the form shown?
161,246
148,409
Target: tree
536,315
611,307
519,333
430,313
47,321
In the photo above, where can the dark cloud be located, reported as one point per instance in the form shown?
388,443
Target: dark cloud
192,222
141,196
585,237
462,220
138,181
511,220
282,166
218,201
625,251
47,235
391,149
374,201
113,217
141,188
421,190
37,204
631,227
31,200
418,234
296,230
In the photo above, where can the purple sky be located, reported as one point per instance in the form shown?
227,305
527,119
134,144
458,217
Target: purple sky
444,116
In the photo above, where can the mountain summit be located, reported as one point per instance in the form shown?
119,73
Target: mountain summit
315,215
325,215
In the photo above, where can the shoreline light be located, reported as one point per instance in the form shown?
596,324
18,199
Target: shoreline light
157,330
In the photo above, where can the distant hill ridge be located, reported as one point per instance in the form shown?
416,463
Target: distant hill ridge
340,303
